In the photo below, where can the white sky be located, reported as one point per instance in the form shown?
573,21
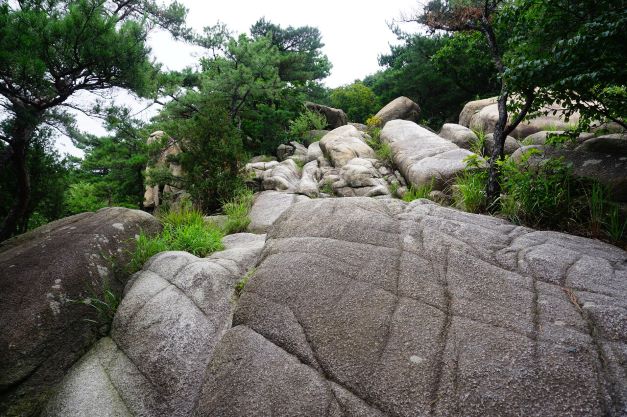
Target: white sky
354,32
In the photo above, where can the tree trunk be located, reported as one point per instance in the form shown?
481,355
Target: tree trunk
19,145
498,152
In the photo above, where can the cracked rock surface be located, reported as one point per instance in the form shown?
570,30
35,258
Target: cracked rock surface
387,308
164,332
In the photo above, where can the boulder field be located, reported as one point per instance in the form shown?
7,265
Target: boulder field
364,306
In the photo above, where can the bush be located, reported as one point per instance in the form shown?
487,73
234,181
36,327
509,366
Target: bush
306,121
82,197
237,210
414,193
184,229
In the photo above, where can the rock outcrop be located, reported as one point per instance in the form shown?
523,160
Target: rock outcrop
422,156
335,117
345,143
400,108
268,207
406,310
165,330
45,274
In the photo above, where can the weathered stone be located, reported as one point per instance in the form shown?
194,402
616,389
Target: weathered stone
458,134
484,116
283,176
615,144
309,180
510,147
423,157
399,108
473,107
314,152
268,207
45,273
345,143
174,312
386,308
359,178
262,159
335,117
360,126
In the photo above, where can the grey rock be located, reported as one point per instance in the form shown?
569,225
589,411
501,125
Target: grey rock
360,126
309,180
473,107
400,108
283,176
283,151
458,134
387,308
268,207
615,144
261,158
511,145
360,178
335,117
345,143
43,330
314,152
421,156
217,220
164,333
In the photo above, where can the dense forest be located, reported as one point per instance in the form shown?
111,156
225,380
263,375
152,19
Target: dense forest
247,94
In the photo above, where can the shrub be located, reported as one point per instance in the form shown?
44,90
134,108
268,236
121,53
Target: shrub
183,229
478,146
237,210
306,121
414,193
469,193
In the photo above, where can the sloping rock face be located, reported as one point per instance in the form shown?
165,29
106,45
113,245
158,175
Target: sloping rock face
165,330
268,207
422,156
391,309
345,143
400,108
43,329
335,117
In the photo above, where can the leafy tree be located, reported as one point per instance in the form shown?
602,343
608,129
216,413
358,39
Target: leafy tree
439,72
300,50
212,147
357,100
113,165
573,53
49,50
50,175
481,16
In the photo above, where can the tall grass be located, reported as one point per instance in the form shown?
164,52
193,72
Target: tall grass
469,194
237,210
421,191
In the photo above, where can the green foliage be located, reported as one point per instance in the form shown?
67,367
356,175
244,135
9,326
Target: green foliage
478,146
421,191
384,153
306,121
356,99
105,307
440,73
184,229
81,197
469,191
327,188
236,210
239,287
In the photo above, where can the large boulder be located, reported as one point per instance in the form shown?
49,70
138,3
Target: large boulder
308,184
423,157
399,108
268,207
335,117
614,144
345,143
459,135
165,330
283,176
45,274
510,145
391,309
483,114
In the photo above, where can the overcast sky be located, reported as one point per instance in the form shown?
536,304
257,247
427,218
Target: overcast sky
354,32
